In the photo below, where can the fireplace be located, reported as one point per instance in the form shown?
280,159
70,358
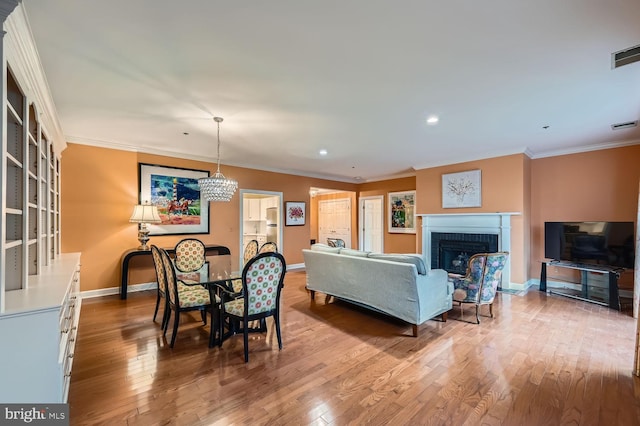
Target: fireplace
482,228
451,251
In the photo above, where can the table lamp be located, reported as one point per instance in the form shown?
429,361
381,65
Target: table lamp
143,214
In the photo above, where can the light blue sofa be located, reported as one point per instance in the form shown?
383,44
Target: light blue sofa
398,285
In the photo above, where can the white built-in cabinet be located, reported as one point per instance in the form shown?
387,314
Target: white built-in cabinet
251,209
256,208
39,286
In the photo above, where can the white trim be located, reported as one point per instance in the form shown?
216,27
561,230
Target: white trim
110,291
22,55
88,294
280,195
472,223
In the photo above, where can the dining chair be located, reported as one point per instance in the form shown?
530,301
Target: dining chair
267,247
190,255
262,281
480,284
184,298
161,279
250,250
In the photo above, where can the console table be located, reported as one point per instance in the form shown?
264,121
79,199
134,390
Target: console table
210,250
585,293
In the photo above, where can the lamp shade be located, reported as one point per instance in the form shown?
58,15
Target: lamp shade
145,213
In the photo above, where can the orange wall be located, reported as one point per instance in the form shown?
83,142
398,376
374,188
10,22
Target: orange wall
591,186
393,243
100,188
503,181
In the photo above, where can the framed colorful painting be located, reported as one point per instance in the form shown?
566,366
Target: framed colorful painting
402,212
176,193
295,213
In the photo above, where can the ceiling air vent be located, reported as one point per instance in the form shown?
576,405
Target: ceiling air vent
626,57
626,125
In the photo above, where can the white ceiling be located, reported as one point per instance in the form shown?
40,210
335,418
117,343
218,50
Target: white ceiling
357,78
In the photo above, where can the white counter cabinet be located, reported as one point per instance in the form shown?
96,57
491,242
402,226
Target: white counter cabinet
38,329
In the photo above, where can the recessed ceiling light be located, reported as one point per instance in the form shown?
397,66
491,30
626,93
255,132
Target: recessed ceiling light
432,119
323,152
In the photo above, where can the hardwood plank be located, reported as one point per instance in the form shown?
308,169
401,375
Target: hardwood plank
543,359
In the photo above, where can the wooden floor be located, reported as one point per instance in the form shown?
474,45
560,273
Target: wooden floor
544,360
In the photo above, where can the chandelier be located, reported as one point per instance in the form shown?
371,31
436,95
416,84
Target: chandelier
217,187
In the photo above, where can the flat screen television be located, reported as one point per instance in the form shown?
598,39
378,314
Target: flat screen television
602,243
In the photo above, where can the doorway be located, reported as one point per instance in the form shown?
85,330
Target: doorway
371,223
334,220
260,218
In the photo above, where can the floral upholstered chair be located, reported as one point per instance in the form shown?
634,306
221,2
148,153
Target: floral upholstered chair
479,285
190,255
262,280
335,242
250,251
268,247
183,297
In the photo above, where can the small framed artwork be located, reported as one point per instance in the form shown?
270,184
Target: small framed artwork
402,212
295,213
176,193
461,189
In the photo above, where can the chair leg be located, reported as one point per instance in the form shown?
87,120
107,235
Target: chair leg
166,317
220,329
203,315
214,326
276,317
491,309
155,313
246,342
175,328
477,314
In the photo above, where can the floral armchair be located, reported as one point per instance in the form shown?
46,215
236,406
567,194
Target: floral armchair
335,242
479,285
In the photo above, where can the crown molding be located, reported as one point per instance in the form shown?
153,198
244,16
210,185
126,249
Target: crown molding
24,60
580,149
470,157
6,7
206,159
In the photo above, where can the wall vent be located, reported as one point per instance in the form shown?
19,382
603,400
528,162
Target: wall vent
626,125
625,57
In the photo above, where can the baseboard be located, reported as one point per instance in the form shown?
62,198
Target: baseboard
116,290
149,286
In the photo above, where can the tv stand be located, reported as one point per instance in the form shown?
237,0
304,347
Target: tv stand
587,290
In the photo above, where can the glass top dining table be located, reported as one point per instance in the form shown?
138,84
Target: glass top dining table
218,272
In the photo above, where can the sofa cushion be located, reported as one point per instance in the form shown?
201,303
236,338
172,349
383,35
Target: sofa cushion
325,248
351,252
414,259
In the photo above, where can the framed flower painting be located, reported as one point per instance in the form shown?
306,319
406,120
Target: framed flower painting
295,213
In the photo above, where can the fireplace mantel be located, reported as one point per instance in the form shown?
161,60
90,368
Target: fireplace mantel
498,223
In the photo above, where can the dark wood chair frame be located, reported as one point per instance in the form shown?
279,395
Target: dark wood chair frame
245,318
172,285
161,293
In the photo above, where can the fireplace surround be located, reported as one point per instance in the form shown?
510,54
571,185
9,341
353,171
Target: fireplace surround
451,250
490,230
